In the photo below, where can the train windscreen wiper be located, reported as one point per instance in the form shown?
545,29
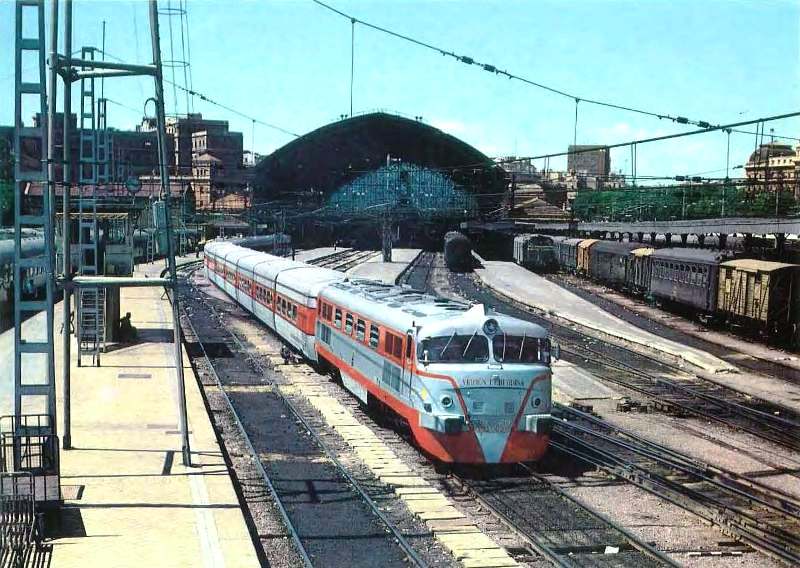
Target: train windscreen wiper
446,345
464,353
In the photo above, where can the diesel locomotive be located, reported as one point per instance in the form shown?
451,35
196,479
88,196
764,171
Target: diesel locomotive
474,386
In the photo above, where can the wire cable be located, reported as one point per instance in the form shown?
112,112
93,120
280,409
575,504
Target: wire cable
497,71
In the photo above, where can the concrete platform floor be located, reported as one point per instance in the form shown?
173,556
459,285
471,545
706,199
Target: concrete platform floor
533,290
129,501
386,272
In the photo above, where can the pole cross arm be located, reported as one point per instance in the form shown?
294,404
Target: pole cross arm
111,65
116,282
102,74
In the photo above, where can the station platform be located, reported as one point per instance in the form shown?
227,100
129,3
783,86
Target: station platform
572,383
314,254
530,289
128,500
386,272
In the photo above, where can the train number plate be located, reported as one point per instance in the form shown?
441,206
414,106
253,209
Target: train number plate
490,425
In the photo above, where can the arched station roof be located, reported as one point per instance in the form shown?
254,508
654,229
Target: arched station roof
329,157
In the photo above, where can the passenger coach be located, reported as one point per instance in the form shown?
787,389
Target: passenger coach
473,385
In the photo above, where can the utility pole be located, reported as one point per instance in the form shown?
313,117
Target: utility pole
65,228
165,186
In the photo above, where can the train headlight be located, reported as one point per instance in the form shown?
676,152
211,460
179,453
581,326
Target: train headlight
490,327
446,401
536,402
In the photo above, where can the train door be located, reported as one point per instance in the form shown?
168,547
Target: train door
408,363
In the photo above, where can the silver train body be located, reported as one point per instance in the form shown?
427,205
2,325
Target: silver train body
474,386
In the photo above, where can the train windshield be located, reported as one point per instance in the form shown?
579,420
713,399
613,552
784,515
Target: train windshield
520,349
454,348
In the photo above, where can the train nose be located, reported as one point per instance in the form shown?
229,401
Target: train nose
492,414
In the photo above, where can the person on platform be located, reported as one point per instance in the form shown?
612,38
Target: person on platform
127,333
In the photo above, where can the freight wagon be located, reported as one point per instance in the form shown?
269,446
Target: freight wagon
759,292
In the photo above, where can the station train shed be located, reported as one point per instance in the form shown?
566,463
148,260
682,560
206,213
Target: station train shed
363,169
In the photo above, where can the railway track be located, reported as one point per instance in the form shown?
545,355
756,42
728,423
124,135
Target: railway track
767,367
556,526
763,517
302,476
766,519
419,271
696,396
551,525
344,260
670,388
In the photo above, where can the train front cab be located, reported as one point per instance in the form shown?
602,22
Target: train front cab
485,389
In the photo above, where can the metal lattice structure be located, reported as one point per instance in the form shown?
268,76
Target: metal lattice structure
34,373
405,189
91,300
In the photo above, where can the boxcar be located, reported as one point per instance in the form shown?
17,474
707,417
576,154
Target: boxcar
567,251
582,264
637,275
608,261
759,292
686,276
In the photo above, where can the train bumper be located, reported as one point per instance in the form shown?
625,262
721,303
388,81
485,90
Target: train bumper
536,423
446,423
450,439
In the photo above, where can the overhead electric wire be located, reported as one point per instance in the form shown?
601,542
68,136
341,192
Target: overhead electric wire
203,97
496,70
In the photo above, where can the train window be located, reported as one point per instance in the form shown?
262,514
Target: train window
348,323
393,345
520,349
294,311
374,336
338,320
361,330
325,333
454,348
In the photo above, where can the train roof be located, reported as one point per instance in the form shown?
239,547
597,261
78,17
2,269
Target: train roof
586,243
755,265
402,308
572,242
689,255
616,246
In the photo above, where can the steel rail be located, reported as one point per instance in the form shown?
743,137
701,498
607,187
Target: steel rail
539,544
301,550
771,492
741,524
753,421
396,533
764,432
675,464
760,414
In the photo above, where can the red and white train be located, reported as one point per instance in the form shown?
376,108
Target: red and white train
473,385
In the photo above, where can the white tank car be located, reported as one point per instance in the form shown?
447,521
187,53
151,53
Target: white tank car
473,385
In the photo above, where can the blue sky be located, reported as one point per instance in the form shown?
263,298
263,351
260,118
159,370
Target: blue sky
288,63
